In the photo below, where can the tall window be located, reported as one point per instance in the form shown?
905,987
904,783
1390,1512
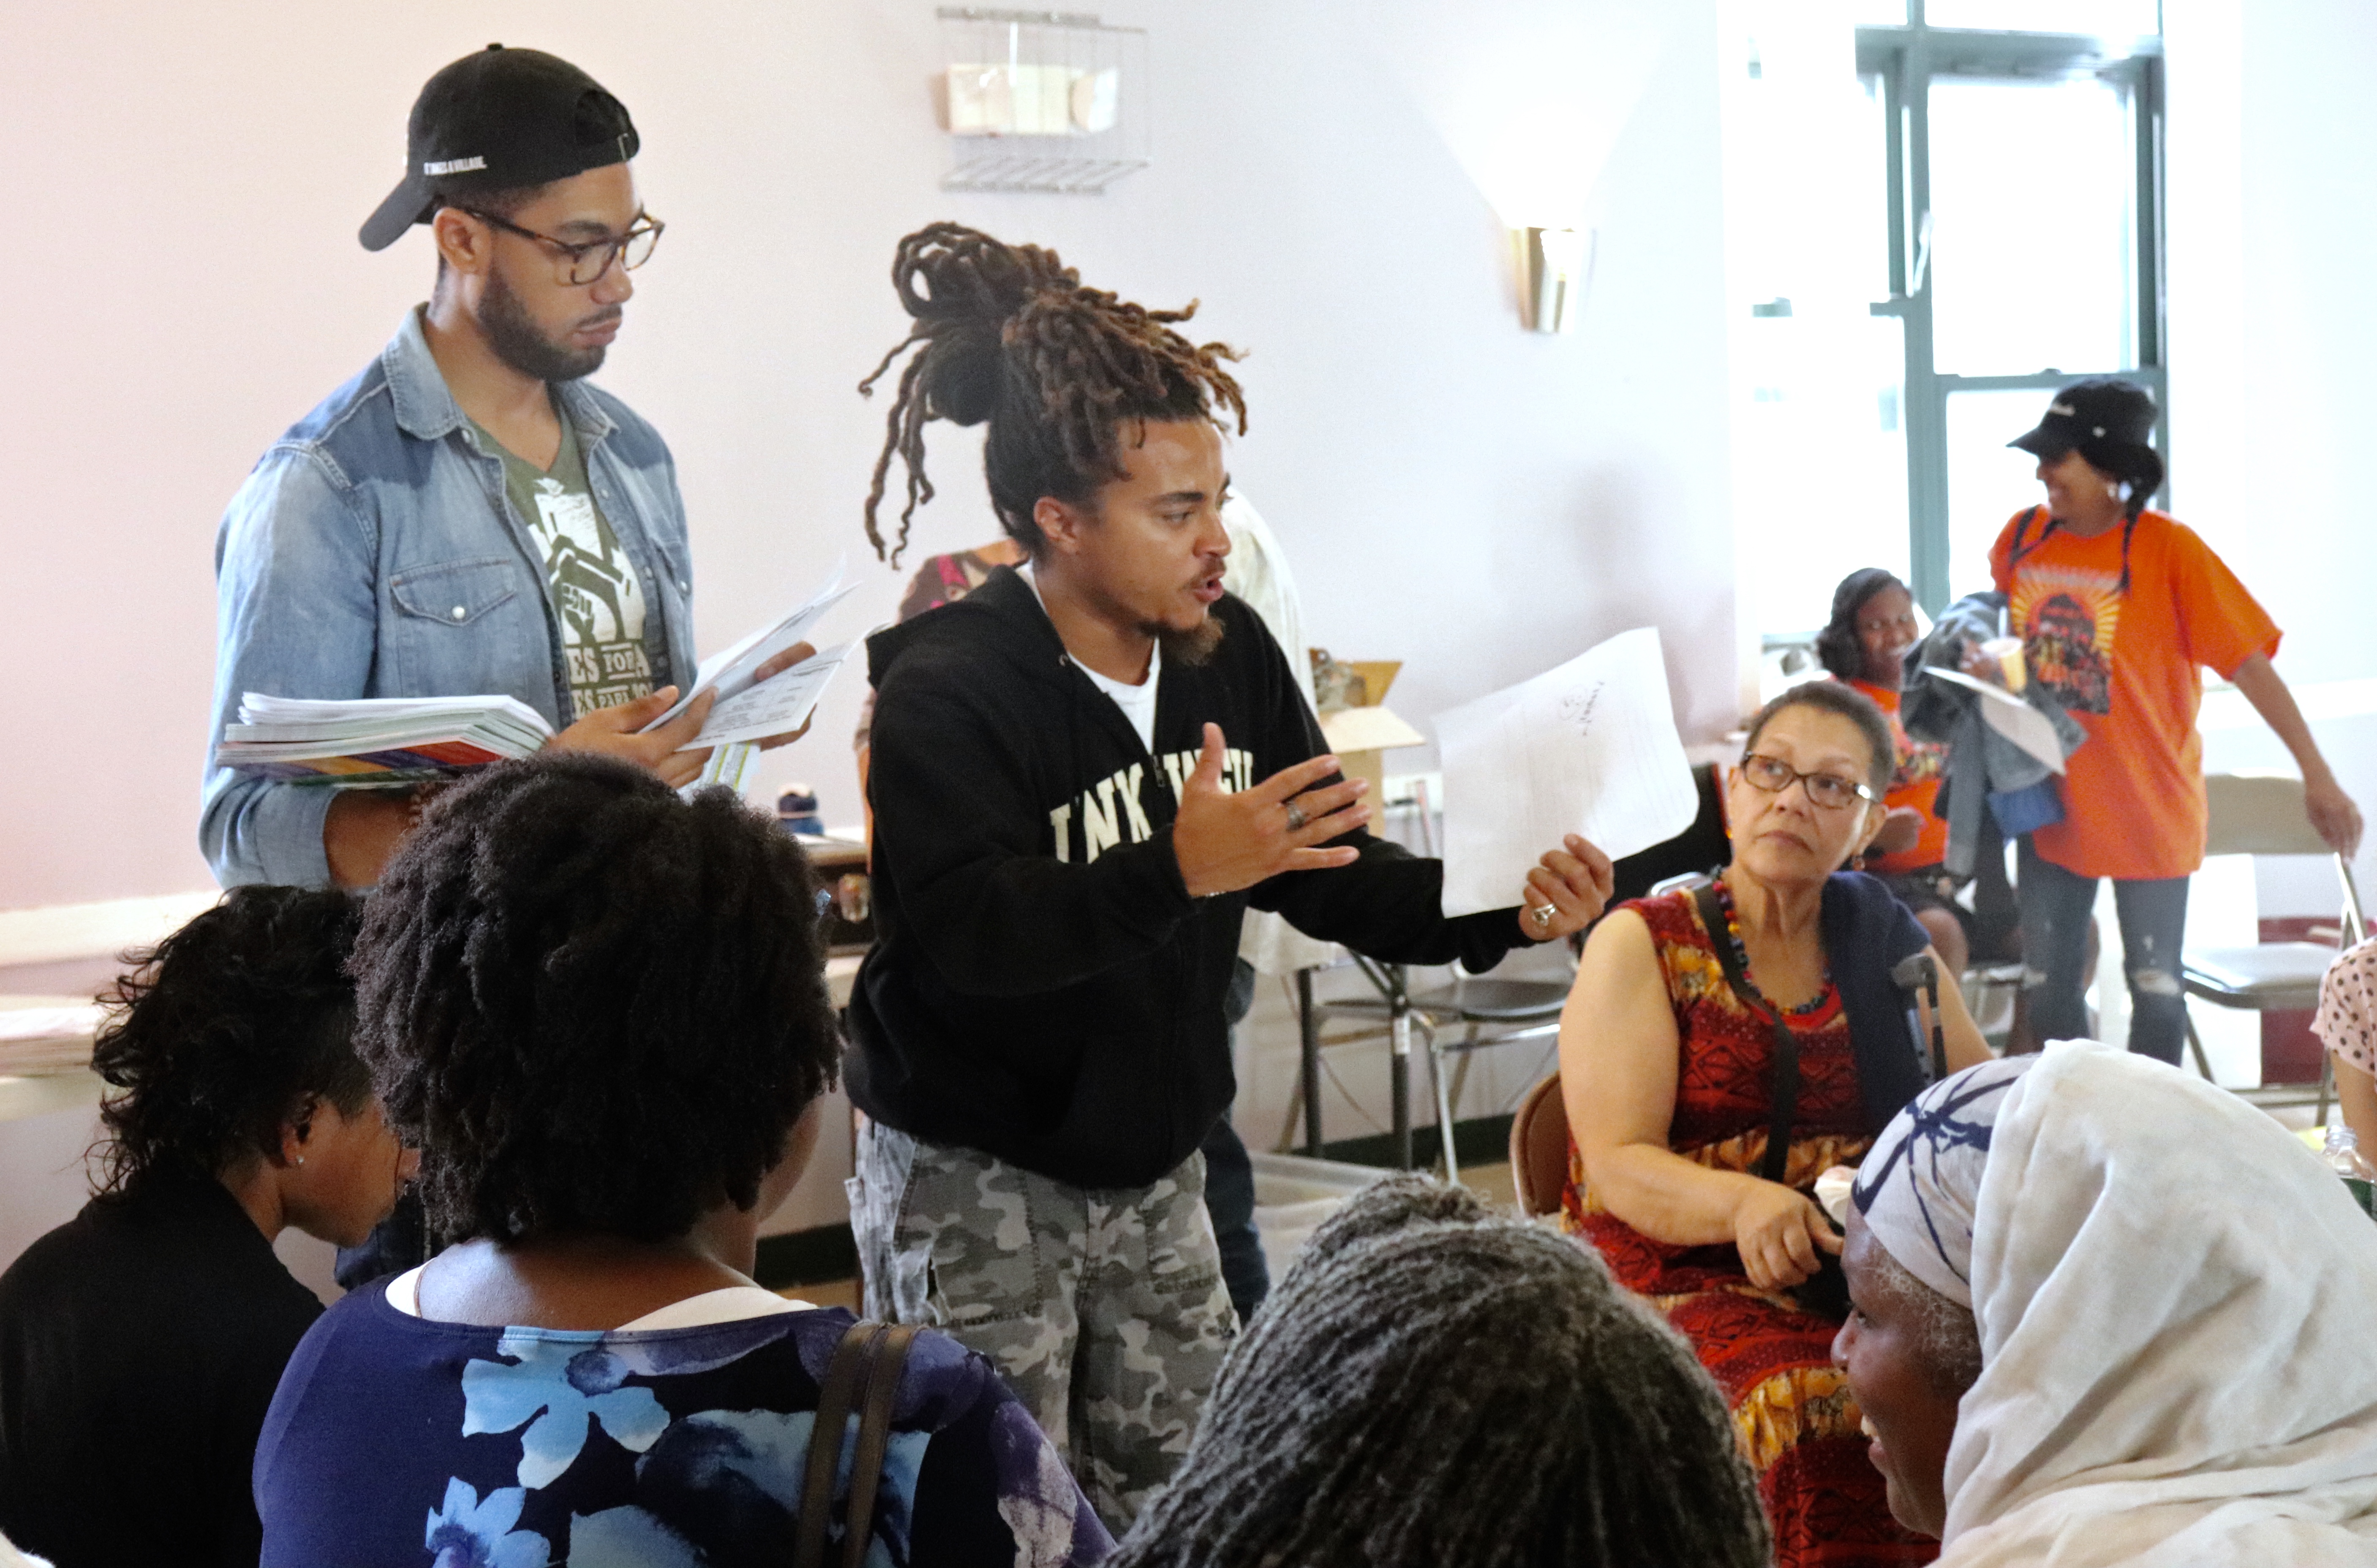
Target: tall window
2023,225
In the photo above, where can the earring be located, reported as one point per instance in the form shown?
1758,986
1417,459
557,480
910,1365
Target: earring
301,1159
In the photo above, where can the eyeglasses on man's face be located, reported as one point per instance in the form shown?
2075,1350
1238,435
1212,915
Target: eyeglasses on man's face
1833,792
579,263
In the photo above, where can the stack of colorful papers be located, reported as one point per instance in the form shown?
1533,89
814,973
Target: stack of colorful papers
375,739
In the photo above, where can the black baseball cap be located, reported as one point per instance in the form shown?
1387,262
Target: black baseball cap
2100,413
498,120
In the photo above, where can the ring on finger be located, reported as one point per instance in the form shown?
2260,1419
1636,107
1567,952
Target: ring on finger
1543,916
1295,818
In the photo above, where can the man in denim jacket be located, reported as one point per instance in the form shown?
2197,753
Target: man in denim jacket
467,516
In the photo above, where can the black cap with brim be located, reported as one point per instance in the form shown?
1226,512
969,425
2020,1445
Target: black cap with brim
498,120
2102,412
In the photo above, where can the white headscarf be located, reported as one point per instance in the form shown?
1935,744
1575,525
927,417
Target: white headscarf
1918,1188
2177,1312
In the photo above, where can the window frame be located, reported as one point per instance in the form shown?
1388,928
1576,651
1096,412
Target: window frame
1907,59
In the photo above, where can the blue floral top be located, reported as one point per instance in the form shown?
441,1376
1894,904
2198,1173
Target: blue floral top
396,1439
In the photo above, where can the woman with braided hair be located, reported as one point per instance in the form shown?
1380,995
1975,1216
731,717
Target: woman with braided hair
1432,1385
1082,773
2119,607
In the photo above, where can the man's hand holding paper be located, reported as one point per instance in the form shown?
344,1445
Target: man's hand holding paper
1587,752
1566,892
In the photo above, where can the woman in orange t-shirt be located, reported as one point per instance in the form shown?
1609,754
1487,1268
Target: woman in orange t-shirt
1864,644
2118,607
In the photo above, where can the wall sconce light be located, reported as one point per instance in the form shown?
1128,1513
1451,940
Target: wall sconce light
1553,267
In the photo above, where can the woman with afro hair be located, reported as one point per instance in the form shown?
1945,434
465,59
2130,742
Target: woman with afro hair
600,1012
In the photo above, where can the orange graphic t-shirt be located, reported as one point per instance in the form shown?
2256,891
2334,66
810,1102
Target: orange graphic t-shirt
2128,666
1913,782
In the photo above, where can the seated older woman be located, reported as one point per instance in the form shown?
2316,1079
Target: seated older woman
1673,1071
2106,1315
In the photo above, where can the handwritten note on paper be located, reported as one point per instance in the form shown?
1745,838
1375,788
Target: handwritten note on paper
1590,748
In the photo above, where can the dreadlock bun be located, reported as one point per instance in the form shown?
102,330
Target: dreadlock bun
1009,335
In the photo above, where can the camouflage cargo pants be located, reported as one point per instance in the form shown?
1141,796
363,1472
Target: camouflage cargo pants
1104,1308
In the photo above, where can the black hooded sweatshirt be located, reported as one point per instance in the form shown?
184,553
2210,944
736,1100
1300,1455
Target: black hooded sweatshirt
1042,987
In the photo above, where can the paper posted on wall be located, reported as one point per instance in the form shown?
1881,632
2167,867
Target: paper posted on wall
2010,716
1589,748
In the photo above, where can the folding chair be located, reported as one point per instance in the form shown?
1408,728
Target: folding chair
1539,1149
2262,814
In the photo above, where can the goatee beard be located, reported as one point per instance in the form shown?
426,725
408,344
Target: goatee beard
517,340
1191,648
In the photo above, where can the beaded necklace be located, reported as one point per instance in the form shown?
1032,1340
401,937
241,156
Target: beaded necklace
1741,955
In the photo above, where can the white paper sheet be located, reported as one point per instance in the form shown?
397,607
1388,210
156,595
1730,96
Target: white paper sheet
1589,748
729,671
2010,716
778,705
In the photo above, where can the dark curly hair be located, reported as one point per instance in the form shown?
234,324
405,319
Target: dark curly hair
1430,1385
1011,336
592,1006
1837,648
226,1031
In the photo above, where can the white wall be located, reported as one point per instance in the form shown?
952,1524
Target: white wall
1457,494
2272,135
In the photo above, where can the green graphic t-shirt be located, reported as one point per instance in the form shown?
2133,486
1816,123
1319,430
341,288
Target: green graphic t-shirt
594,585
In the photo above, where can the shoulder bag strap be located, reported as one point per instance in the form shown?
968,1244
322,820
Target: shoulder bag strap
874,1439
1786,1044
2016,550
835,1395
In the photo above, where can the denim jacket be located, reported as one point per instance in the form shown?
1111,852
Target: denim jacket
372,552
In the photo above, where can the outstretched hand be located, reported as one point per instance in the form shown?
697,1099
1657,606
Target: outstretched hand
1566,891
1225,842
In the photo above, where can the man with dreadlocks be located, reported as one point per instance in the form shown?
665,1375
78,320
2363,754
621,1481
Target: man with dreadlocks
1082,775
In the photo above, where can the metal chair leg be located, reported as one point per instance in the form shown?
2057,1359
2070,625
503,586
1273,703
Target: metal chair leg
1399,1033
1444,1123
1461,1067
2195,1044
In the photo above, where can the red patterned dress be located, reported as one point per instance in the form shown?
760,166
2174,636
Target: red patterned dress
1793,1411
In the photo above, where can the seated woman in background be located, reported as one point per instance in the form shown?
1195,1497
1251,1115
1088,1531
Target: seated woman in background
600,1012
140,1341
1674,1081
2107,1316
1864,644
2347,1025
1432,1385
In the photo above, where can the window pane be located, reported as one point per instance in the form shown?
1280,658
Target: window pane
2033,193
1819,462
1988,481
2100,18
